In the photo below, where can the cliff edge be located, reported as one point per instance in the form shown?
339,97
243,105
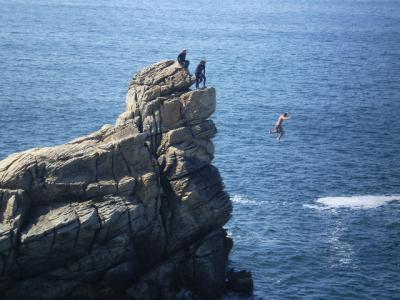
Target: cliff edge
132,211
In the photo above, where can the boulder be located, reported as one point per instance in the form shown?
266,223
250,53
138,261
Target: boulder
132,211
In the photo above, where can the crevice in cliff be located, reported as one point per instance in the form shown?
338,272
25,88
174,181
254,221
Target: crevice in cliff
52,241
97,230
165,207
3,263
164,212
14,240
32,180
140,123
1,206
129,220
125,160
78,230
96,164
113,172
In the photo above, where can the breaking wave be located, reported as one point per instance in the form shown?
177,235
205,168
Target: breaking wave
355,202
243,200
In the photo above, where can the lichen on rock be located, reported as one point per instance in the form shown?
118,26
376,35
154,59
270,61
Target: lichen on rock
132,211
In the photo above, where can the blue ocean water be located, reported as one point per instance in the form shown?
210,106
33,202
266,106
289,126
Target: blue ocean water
333,64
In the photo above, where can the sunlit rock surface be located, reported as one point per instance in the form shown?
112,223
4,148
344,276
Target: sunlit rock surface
132,211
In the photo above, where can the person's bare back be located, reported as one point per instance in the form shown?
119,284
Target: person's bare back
282,117
278,126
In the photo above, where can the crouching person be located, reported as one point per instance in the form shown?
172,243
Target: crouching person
182,59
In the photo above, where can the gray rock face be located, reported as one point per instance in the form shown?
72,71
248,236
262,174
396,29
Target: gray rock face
132,211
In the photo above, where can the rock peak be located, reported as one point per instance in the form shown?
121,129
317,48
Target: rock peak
132,211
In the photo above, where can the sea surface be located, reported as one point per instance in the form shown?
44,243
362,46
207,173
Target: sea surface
316,216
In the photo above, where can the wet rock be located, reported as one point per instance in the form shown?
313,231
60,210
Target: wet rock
239,282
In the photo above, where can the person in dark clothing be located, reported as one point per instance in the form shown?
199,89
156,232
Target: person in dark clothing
182,59
201,74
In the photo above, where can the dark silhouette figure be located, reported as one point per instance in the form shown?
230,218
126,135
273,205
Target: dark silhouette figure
201,74
182,59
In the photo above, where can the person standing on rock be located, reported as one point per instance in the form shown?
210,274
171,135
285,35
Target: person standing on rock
182,59
201,74
278,129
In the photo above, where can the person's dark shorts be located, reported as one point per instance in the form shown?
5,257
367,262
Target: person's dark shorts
184,64
200,77
279,129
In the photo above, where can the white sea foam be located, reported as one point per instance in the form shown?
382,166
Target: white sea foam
243,200
356,202
314,206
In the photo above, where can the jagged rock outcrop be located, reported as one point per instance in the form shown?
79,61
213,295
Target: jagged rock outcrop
132,211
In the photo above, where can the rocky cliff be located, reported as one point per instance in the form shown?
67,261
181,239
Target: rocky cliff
132,211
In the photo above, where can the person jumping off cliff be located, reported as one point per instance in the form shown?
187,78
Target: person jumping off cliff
201,74
182,59
278,129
